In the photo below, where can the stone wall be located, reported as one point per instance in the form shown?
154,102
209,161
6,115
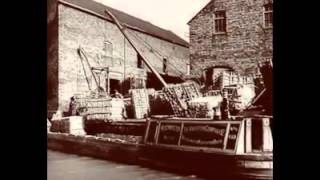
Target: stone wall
78,28
245,42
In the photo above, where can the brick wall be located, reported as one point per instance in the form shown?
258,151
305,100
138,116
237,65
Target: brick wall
245,43
77,28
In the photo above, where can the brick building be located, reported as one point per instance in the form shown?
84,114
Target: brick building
84,23
234,34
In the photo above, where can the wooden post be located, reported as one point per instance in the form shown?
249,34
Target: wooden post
158,132
248,135
147,131
108,81
240,146
225,141
267,136
181,131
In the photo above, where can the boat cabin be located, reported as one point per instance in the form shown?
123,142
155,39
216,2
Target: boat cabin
239,135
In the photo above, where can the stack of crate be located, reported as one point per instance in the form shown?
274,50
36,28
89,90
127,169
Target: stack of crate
71,125
198,110
140,101
178,96
231,78
101,108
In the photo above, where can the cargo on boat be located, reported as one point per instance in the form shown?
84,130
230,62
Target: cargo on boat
239,147
220,127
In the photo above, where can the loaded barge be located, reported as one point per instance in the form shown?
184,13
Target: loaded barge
239,148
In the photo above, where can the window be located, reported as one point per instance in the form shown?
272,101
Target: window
268,15
108,48
220,21
165,63
140,62
188,69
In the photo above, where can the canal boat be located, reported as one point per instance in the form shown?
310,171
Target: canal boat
239,148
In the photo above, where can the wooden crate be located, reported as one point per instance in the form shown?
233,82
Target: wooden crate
101,108
178,95
71,125
140,101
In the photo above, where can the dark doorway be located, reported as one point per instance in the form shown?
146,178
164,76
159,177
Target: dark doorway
114,85
257,135
208,77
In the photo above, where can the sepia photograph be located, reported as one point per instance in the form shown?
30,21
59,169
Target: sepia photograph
159,89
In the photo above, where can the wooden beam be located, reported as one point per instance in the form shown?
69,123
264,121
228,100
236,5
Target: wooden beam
248,135
81,51
158,131
225,141
147,131
123,31
255,99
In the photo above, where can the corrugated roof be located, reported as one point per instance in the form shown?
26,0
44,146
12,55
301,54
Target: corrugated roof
129,21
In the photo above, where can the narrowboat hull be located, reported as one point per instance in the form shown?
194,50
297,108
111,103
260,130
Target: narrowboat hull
204,164
211,164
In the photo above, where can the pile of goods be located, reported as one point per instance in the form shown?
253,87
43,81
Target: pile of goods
159,105
71,125
240,96
93,127
178,96
231,78
121,138
100,108
140,101
203,107
186,100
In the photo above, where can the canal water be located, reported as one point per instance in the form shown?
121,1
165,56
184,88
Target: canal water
63,166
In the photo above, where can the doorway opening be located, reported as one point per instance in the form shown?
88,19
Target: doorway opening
114,84
257,136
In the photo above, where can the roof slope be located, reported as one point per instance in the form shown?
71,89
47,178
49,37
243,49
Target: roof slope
211,1
130,21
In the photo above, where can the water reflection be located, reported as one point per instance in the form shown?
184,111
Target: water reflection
63,166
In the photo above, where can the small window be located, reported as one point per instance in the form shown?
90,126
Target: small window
140,62
220,21
108,49
188,69
165,63
268,15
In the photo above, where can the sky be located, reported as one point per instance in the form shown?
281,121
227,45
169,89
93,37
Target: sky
168,14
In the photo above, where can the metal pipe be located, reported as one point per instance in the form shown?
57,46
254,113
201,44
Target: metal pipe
143,58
